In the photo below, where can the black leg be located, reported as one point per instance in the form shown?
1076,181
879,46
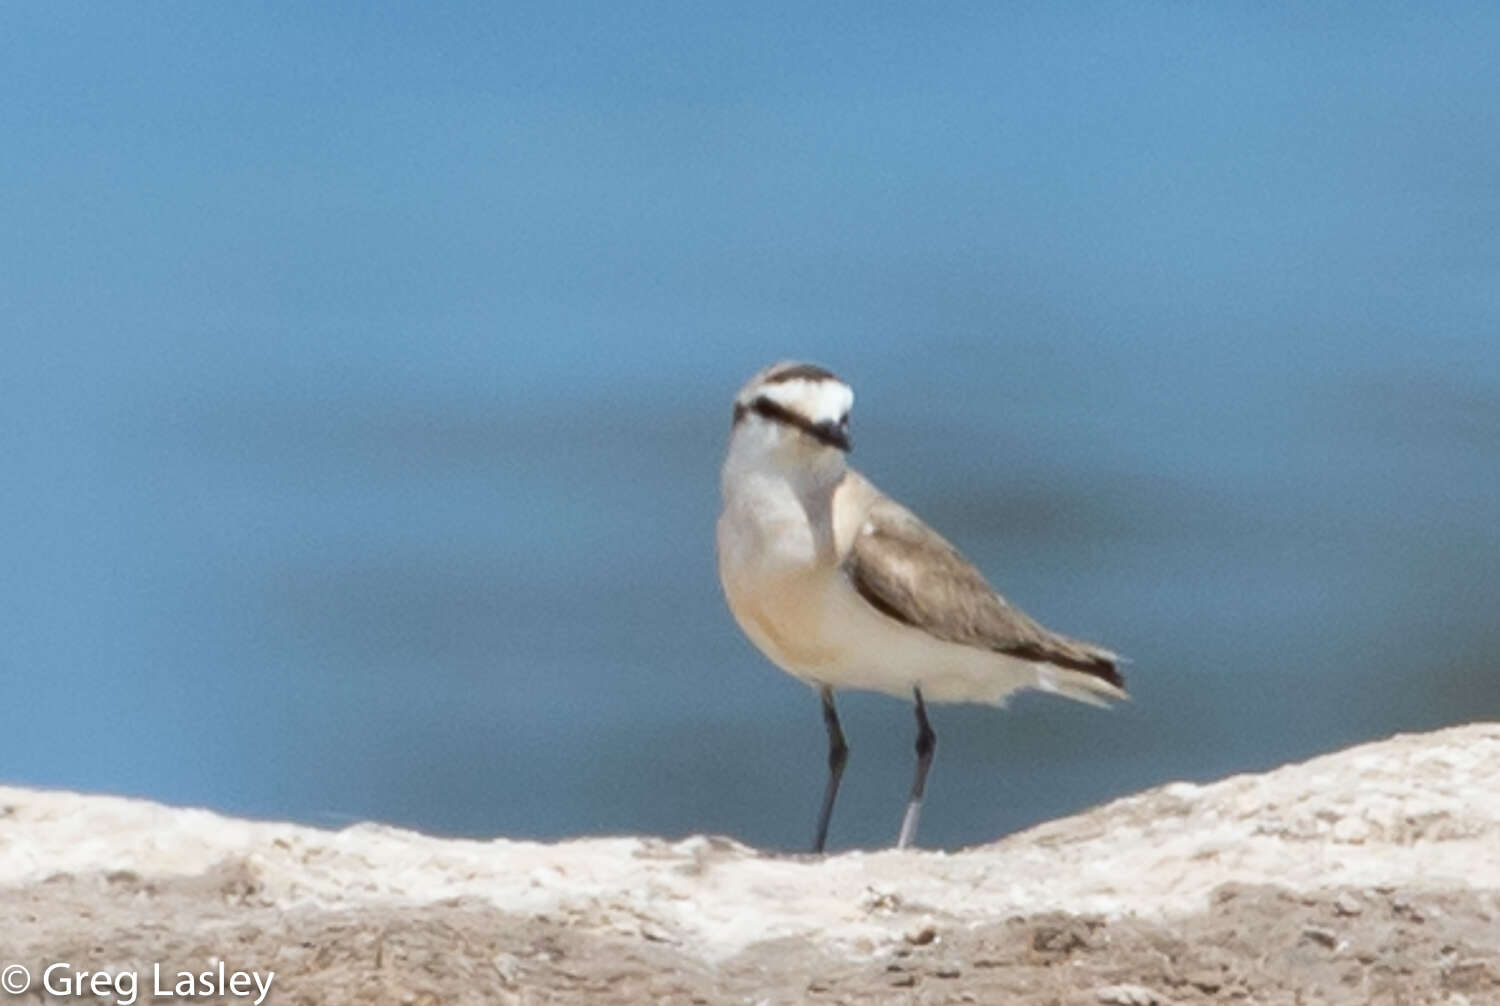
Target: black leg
838,754
926,745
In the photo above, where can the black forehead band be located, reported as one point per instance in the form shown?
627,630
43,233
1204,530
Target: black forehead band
801,371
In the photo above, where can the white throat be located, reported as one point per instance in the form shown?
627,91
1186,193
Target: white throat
763,456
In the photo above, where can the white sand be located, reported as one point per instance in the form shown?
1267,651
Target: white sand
1413,811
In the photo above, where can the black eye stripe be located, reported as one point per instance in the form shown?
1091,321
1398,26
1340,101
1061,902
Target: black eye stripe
768,409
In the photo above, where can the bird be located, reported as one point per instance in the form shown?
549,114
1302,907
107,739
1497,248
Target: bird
843,587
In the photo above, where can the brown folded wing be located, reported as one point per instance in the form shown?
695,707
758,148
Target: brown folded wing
908,572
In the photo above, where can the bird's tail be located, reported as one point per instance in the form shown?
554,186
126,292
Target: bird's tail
1095,679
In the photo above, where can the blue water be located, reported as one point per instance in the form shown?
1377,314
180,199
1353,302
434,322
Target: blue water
366,374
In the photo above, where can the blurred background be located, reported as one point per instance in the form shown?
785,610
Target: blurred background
366,374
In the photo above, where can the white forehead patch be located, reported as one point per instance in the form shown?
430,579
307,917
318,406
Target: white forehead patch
818,401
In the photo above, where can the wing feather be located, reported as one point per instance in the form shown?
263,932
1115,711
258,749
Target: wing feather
909,572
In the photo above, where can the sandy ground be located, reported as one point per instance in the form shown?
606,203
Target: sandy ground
1367,876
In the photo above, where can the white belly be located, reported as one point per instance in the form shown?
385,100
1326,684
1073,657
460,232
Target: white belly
814,625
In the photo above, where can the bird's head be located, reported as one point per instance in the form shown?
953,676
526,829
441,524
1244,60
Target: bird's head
793,415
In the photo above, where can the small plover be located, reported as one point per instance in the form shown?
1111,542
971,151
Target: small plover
843,587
